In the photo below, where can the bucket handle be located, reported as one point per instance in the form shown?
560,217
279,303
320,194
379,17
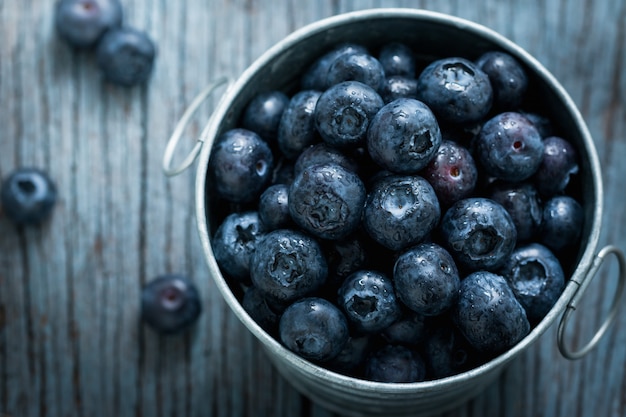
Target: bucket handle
612,314
182,124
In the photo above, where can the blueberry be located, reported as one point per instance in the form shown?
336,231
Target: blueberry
398,86
260,311
234,241
352,356
170,303
344,111
508,79
287,265
509,147
559,163
456,90
344,257
321,154
488,314
452,172
409,330
263,113
369,301
536,277
327,201
400,211
562,222
126,56
542,123
357,66
395,364
403,136
314,328
315,77
478,232
296,130
274,207
241,165
446,351
28,196
81,23
426,279
397,59
521,201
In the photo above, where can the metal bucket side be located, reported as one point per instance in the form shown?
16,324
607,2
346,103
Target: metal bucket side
279,68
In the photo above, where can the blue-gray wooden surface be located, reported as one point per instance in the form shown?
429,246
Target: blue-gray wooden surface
70,340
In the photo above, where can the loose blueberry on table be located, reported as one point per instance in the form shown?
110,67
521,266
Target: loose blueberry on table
81,23
28,196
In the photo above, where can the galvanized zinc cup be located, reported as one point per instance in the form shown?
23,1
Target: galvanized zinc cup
434,35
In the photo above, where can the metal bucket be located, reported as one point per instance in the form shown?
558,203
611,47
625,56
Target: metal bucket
435,35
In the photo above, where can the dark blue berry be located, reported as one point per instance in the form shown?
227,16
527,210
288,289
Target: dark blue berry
260,311
488,314
263,113
81,23
296,130
315,77
409,330
126,56
397,59
395,364
321,154
562,222
521,201
508,79
478,232
351,358
446,351
398,86
314,328
456,90
274,207
403,136
234,241
400,211
170,303
357,66
327,201
509,147
287,265
426,279
28,196
344,111
536,277
559,163
452,172
344,257
241,165
369,301
542,123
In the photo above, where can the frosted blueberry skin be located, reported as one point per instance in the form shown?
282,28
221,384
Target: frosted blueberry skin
400,211
241,165
426,279
314,328
395,364
397,59
234,242
456,90
508,79
327,201
369,301
522,202
403,136
125,56
296,130
170,303
398,86
28,196
274,207
478,232
315,77
536,277
559,164
321,154
488,314
81,23
287,265
344,111
509,147
263,113
357,66
452,172
562,223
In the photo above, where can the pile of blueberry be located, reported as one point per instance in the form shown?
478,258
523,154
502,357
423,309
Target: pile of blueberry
396,219
124,54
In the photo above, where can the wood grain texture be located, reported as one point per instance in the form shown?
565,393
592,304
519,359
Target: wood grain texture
71,343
